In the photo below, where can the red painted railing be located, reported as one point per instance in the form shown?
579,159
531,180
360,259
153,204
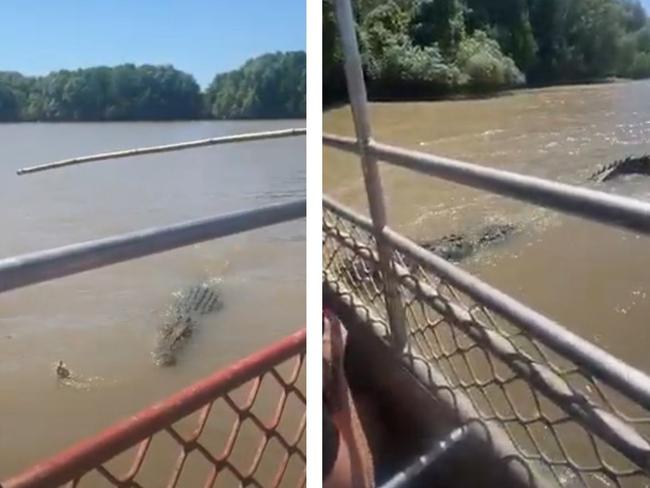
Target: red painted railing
263,393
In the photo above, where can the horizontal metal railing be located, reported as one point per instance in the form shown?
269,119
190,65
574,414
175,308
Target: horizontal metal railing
611,370
140,429
213,141
28,269
602,365
591,204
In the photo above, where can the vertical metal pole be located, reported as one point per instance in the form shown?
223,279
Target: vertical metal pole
358,102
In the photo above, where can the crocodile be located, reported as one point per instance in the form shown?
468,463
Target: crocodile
451,247
457,247
631,165
182,319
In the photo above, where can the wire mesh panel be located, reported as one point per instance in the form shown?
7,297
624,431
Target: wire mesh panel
242,426
567,425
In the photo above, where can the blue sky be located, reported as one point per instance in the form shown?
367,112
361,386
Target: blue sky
202,37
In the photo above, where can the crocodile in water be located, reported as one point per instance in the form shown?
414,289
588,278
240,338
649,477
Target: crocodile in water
182,319
630,165
452,247
457,247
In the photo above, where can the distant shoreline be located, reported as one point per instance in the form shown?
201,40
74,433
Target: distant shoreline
269,86
161,121
469,96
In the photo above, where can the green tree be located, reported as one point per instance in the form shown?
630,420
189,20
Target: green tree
9,107
384,26
484,66
269,86
125,92
634,15
333,76
509,23
440,22
549,41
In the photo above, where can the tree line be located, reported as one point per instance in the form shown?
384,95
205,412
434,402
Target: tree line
269,86
426,48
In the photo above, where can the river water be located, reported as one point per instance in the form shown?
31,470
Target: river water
593,279
103,323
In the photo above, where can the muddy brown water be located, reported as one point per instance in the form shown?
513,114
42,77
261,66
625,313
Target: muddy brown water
102,323
594,279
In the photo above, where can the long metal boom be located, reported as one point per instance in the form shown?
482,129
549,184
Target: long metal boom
255,136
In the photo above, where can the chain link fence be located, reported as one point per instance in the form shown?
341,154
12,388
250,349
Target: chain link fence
568,427
242,426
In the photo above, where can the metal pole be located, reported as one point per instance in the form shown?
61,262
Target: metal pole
599,206
415,469
358,102
28,269
276,134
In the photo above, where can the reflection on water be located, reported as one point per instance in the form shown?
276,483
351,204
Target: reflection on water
103,323
592,278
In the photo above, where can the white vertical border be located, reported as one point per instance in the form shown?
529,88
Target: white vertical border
314,298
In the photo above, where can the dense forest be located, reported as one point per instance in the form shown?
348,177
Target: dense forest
430,48
267,86
270,86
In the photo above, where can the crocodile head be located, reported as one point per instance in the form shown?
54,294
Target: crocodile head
164,358
183,317
453,247
171,338
495,233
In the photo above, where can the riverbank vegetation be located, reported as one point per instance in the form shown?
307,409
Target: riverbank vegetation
270,86
431,48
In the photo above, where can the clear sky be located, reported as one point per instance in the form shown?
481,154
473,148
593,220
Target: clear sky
202,37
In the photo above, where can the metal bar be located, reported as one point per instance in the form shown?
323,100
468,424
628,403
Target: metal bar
28,269
594,205
612,371
90,453
276,134
358,102
415,469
